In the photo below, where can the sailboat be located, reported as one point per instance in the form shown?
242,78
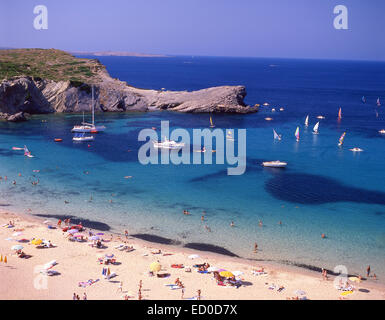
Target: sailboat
315,129
229,136
340,114
307,121
378,102
276,135
89,127
27,153
297,134
341,140
363,99
211,123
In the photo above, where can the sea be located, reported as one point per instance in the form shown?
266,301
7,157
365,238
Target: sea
325,189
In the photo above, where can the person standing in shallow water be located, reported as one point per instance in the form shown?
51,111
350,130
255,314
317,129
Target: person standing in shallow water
255,247
368,271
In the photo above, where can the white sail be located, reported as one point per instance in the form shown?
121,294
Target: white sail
315,129
307,121
276,135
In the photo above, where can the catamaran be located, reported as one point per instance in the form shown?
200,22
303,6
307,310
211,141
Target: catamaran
378,102
307,121
211,123
341,140
315,129
80,136
276,135
168,144
340,114
89,127
297,134
27,153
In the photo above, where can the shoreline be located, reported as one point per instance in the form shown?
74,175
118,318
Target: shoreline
287,275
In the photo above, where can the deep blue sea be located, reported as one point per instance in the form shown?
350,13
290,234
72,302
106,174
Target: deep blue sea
324,189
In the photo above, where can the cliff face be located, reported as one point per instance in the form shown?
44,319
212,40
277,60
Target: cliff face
36,96
45,81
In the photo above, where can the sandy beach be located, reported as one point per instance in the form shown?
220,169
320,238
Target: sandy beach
78,262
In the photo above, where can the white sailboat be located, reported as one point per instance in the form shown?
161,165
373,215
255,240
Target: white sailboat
307,121
315,129
378,102
89,127
276,135
27,153
80,136
211,123
297,134
168,144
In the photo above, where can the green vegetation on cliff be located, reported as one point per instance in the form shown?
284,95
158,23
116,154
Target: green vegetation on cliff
50,64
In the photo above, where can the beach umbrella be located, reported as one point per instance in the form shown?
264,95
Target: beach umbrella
23,240
79,235
16,234
155,266
193,256
37,241
17,247
46,222
94,238
299,292
109,255
100,234
212,269
226,274
237,273
73,231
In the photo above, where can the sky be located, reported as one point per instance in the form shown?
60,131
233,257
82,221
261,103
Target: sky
244,28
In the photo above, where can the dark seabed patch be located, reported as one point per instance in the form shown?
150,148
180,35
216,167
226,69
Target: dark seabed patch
97,225
313,189
155,239
313,268
210,248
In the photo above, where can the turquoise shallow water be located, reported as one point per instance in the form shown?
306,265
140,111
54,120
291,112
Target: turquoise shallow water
325,189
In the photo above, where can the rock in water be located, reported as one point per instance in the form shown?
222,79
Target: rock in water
17,117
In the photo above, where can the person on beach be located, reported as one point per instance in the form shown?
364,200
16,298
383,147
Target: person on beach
182,295
368,271
59,223
126,233
120,288
84,296
74,296
255,247
199,294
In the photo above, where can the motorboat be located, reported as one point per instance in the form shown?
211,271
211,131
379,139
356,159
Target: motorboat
382,131
274,164
320,117
356,149
168,144
80,136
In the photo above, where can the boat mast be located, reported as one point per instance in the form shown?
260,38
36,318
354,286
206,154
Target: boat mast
92,105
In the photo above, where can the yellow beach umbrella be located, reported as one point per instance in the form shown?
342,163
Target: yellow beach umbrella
37,241
226,274
345,293
155,266
1,258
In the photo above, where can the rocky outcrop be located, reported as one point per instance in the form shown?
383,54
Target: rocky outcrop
36,96
17,117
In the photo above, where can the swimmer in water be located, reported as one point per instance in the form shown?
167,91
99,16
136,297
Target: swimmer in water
255,247
260,223
323,236
202,218
232,224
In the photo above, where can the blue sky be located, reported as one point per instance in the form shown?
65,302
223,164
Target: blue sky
252,28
